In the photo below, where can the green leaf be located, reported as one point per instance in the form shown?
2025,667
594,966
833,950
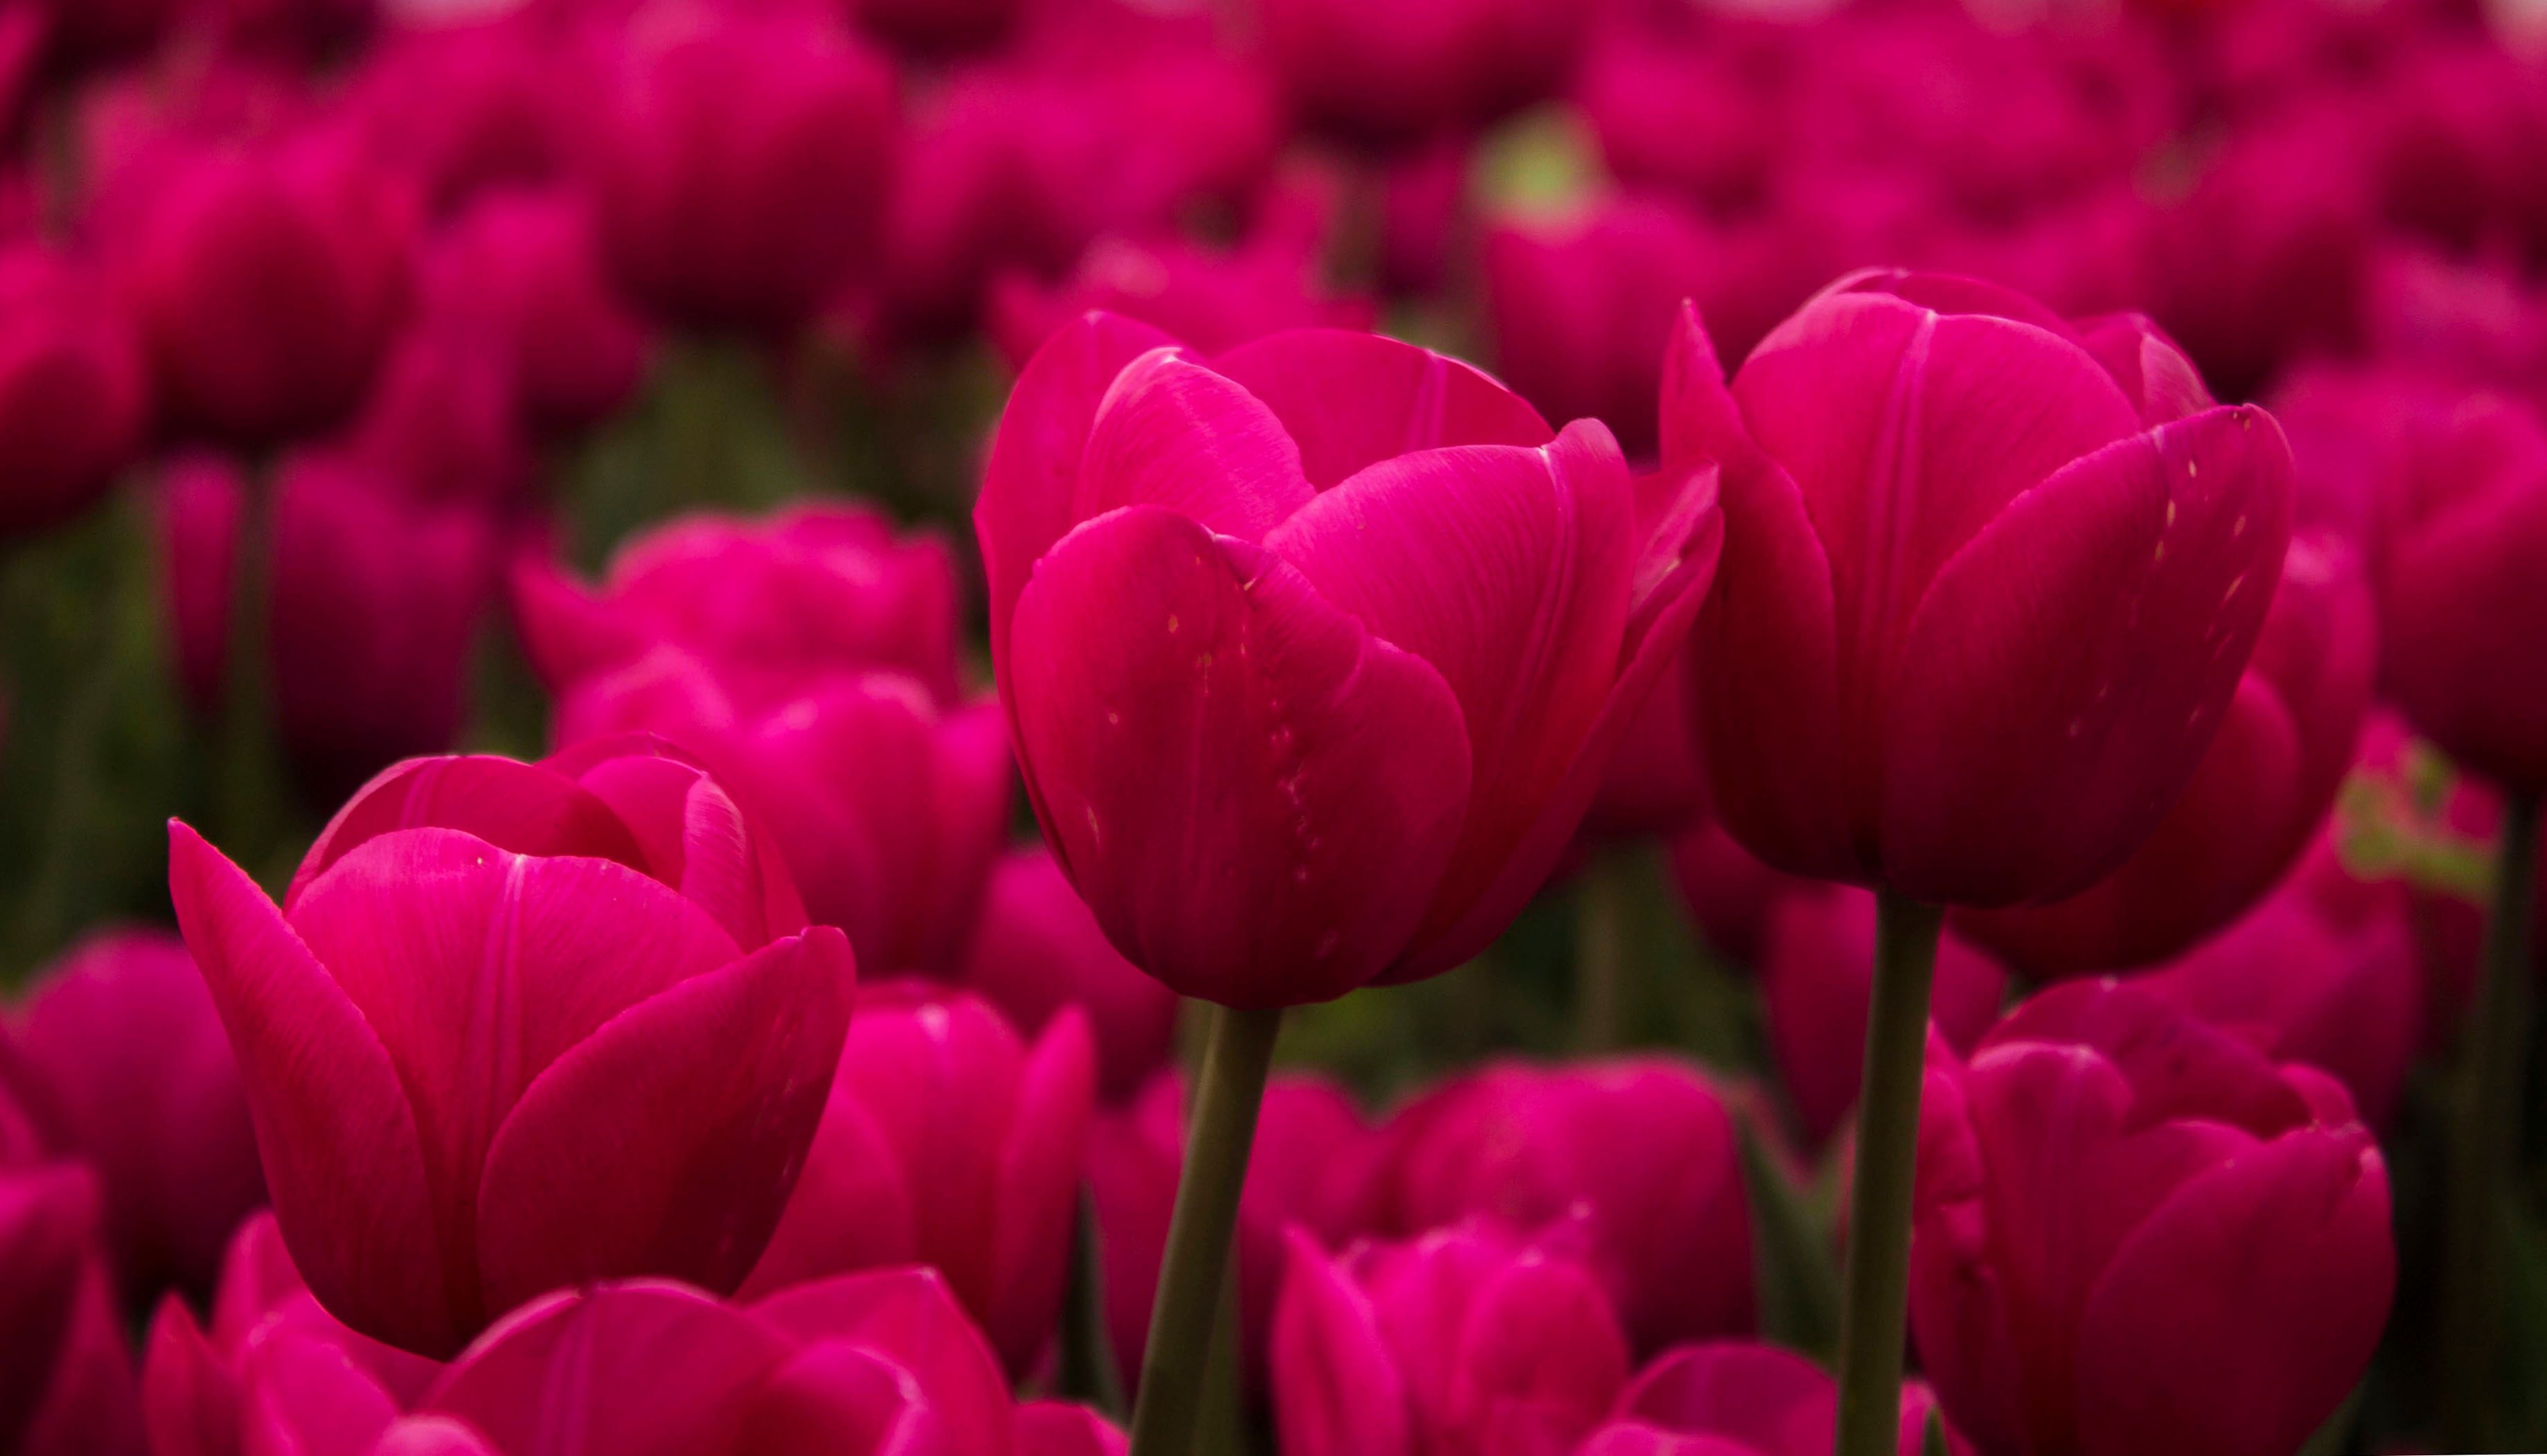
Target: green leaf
1932,1439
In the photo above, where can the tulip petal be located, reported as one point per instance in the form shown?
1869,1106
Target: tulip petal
852,1208
1031,480
431,1435
2244,1310
1336,1390
695,837
2175,1065
1760,1395
668,1140
1055,1428
343,1158
1173,433
1540,1358
1636,1438
1184,701
2462,589
1038,1182
523,808
305,1397
189,1401
840,1400
1351,399
910,1315
2125,595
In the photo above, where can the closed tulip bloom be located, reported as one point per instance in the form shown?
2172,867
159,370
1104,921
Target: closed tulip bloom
129,1066
2460,611
1463,1339
950,1141
519,267
1641,1150
199,512
267,280
1314,654
1314,1168
1655,783
375,599
465,106
773,603
1740,1398
2252,805
1817,979
69,1391
1395,73
738,163
442,421
1980,617
74,389
1214,300
2134,1233
1037,949
508,1020
1055,1428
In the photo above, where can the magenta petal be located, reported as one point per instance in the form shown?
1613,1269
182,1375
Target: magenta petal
566,632
641,1369
1352,399
1171,433
342,1156
2237,1317
1636,1438
2125,595
667,1142
189,1400
518,806
851,1208
1763,1396
694,835
1038,1185
840,1400
307,1396
431,1435
1054,1429
910,1315
1336,1390
1188,700
1031,480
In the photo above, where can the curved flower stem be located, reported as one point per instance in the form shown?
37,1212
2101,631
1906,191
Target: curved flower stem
2493,1050
1877,1291
1236,1057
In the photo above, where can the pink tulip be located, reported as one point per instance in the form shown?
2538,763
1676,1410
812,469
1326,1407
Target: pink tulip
442,423
2134,1234
201,511
274,1371
1463,1339
1816,975
1736,1398
374,602
508,1023
131,1069
465,106
948,1141
738,162
75,395
1312,1168
68,1391
771,603
1215,300
1260,615
1980,619
1728,891
1655,782
1642,1151
519,267
1692,100
1394,74
2252,805
2462,519
1037,949
930,28
1052,1428
267,282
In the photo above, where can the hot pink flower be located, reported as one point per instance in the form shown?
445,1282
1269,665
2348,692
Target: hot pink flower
74,388
1036,949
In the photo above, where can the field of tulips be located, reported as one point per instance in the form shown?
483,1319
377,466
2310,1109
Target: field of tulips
1272,727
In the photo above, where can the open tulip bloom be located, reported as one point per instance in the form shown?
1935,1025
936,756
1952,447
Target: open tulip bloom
1312,653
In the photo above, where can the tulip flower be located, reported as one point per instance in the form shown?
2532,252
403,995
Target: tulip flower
127,1064
1314,1168
1641,1150
1215,300
2251,806
1394,75
374,602
1737,1398
1991,582
74,389
950,1142
930,28
1816,983
519,267
1037,949
738,162
1460,1340
465,106
442,422
1728,891
70,1387
1053,1428
508,1020
2136,1234
773,603
267,282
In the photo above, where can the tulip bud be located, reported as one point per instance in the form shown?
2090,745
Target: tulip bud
1052,1428
201,506
1391,74
70,1378
465,106
1037,949
1737,1398
1235,581
1439,1345
2219,1261
267,280
129,1060
950,1142
508,1021
73,389
738,163
519,267
1641,1150
441,424
1980,619
1817,979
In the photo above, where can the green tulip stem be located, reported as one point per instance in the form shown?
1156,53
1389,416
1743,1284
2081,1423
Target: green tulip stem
1601,897
2493,1052
1876,1295
1237,1055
